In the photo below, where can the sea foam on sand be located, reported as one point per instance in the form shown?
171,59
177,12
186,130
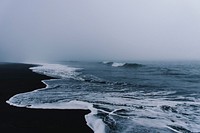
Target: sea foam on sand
95,123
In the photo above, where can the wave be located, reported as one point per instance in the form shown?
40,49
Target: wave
132,65
124,65
107,62
93,79
57,71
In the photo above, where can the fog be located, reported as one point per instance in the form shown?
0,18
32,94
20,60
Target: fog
45,30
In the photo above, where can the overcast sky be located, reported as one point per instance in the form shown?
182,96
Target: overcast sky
37,30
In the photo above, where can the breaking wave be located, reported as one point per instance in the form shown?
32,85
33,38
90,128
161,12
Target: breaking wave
124,65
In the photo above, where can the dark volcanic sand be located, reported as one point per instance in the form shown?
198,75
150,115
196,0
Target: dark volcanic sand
17,78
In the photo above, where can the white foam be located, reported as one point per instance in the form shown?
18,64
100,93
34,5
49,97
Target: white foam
10,102
160,93
106,62
57,70
64,105
153,108
95,123
115,64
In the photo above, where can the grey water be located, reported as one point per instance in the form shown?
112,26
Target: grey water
129,97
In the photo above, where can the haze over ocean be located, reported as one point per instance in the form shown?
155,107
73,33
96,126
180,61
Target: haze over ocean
46,30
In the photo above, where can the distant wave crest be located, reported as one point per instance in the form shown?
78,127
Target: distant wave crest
125,65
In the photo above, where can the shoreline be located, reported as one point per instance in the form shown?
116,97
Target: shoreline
18,78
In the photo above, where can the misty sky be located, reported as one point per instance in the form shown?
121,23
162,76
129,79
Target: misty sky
37,30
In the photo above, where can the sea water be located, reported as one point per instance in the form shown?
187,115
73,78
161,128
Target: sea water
123,97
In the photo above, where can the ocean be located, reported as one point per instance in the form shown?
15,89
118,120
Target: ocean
153,97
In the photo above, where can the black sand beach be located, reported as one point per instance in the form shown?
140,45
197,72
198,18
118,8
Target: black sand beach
17,78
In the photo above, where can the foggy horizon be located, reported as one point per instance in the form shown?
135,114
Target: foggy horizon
48,30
